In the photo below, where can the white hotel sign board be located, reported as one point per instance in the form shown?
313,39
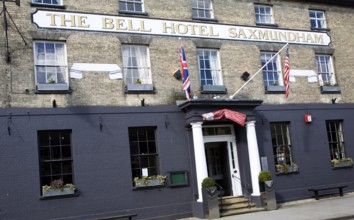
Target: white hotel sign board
147,26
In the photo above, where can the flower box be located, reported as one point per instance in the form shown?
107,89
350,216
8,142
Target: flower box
345,162
330,90
274,89
145,181
281,168
142,183
57,192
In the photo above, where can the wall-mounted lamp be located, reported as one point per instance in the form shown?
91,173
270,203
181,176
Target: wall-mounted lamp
177,74
54,103
245,75
101,124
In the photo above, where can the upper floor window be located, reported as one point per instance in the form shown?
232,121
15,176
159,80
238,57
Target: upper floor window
55,157
136,64
202,9
317,19
264,14
272,74
50,62
282,148
209,67
325,70
131,5
143,151
48,2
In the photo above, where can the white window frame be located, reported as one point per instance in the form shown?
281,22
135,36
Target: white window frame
262,15
144,68
325,70
281,144
320,22
52,80
216,73
266,71
52,2
134,2
336,139
200,10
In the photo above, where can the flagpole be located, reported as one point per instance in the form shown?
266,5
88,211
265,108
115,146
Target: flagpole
231,97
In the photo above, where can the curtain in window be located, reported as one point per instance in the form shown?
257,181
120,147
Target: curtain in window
136,64
214,66
61,62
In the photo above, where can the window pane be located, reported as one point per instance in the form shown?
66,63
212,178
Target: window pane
55,158
143,150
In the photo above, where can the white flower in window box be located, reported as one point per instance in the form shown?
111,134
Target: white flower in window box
344,162
156,180
58,188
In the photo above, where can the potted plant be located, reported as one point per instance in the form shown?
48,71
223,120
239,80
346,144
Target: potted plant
57,188
156,180
265,177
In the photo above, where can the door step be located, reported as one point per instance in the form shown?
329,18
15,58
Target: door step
230,205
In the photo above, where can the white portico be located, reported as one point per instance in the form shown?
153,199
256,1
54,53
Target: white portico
201,161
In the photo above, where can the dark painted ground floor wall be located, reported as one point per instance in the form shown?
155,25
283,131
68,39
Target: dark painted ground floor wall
101,162
310,146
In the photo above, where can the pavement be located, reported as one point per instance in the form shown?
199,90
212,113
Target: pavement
326,208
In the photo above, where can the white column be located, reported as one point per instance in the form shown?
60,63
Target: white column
199,154
253,154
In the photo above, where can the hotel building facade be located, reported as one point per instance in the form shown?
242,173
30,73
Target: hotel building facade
91,95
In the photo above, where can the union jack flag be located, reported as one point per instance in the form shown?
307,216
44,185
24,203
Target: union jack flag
185,74
286,73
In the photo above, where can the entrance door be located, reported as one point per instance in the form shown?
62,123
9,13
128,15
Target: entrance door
222,162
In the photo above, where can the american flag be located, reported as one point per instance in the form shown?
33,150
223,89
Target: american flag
286,73
185,75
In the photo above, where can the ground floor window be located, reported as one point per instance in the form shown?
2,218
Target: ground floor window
143,152
336,144
55,157
282,148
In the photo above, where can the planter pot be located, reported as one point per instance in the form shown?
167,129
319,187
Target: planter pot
57,192
330,90
142,183
52,87
275,89
211,202
269,184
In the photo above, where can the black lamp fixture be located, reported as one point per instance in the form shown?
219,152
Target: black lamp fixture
245,75
177,74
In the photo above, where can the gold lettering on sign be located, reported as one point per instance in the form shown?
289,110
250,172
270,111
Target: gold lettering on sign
107,23
52,19
202,30
319,38
232,32
253,34
165,28
263,35
82,22
142,27
120,24
211,31
130,26
64,21
242,33
184,29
